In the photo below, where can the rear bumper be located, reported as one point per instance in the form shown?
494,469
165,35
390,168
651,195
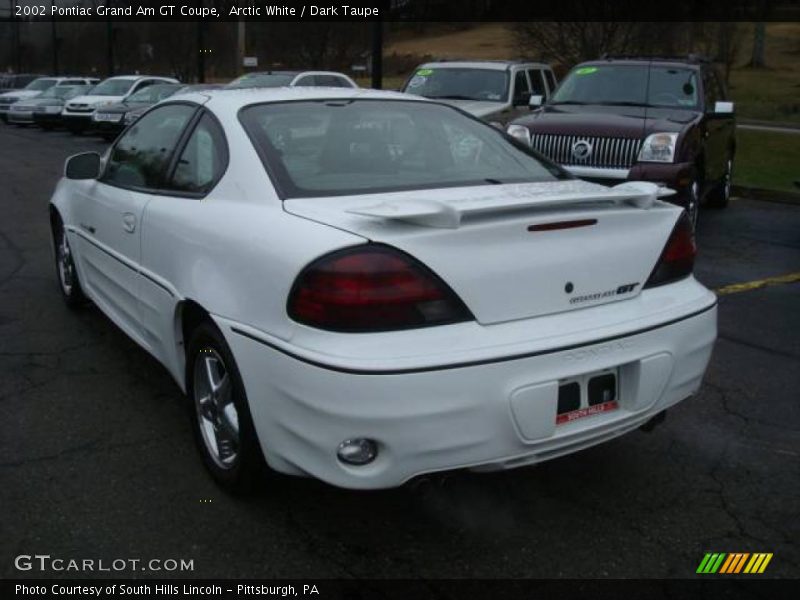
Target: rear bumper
486,415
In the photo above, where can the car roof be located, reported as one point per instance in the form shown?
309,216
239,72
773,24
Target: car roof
497,65
660,62
232,99
135,77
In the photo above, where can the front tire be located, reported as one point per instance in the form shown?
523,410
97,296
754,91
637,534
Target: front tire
68,280
220,415
721,195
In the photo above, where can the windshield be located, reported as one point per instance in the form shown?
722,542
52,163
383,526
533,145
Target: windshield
113,87
61,91
262,80
153,93
459,84
39,85
629,85
343,147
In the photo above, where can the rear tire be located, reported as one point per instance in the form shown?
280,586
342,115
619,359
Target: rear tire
220,415
721,194
68,281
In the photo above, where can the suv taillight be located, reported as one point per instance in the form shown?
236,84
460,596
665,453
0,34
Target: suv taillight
372,288
677,258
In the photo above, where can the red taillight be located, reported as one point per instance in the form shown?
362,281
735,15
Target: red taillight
372,288
677,258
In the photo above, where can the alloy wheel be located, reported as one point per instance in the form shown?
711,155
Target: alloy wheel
216,410
66,267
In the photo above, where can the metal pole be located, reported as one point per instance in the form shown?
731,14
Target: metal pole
377,55
201,57
16,38
110,42
55,41
241,33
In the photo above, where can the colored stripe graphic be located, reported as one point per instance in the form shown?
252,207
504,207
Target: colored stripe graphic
734,563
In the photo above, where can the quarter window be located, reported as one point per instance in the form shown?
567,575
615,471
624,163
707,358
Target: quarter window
203,159
140,157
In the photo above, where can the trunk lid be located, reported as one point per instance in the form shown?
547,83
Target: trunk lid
516,251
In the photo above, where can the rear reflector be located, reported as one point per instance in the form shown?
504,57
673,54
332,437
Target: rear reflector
677,258
372,288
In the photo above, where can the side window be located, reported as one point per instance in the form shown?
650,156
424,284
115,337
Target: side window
522,90
203,159
307,80
141,155
537,82
551,80
331,81
142,84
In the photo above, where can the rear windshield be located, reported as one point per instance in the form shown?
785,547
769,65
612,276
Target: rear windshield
113,87
489,85
262,80
153,93
638,85
342,147
39,85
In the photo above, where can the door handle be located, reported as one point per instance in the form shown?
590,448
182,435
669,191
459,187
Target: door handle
129,222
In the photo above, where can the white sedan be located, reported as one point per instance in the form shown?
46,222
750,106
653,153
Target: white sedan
366,286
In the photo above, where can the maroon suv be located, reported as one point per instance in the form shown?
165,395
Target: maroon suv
664,120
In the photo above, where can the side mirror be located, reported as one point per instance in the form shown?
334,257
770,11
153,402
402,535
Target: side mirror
83,166
535,101
723,108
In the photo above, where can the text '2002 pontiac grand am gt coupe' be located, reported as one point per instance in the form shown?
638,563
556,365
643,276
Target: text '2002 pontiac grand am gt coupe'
366,286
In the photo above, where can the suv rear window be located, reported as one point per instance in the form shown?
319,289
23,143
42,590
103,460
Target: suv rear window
638,85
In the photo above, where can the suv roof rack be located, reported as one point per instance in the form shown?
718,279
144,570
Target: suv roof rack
690,58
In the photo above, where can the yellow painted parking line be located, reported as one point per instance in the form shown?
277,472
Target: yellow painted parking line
758,283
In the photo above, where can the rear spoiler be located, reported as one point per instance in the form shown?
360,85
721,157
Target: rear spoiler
448,215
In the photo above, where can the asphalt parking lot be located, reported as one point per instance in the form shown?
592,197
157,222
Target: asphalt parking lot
97,460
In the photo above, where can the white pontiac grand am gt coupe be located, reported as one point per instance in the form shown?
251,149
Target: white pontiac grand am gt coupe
365,286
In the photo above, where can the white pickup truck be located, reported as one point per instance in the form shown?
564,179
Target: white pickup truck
493,90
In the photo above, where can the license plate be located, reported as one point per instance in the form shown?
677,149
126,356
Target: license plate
586,396
109,118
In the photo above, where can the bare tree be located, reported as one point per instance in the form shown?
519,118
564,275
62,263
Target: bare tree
575,41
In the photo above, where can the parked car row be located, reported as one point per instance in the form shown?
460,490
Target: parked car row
665,120
82,104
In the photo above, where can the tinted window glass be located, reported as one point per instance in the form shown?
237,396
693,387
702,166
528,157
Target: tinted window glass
328,148
113,87
39,85
460,84
262,80
332,81
551,80
521,84
141,156
629,84
536,81
203,159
